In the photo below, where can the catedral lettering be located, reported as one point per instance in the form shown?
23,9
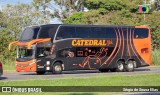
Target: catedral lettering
89,43
57,47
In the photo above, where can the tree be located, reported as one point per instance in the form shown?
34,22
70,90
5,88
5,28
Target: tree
42,5
111,5
90,17
65,7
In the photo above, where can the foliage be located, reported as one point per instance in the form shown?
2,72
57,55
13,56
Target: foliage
76,18
156,57
90,17
107,4
153,21
110,10
111,5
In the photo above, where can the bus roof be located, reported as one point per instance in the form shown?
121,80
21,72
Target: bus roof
86,25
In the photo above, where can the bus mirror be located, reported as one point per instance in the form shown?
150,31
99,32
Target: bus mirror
10,44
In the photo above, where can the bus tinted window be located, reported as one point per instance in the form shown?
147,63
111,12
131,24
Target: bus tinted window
103,32
98,32
35,32
110,32
83,32
141,33
29,33
47,31
66,32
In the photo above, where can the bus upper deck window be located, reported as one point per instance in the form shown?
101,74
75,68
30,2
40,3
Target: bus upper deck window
141,33
29,33
65,32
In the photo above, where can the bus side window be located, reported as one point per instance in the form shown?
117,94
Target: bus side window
65,32
93,33
66,53
83,32
98,32
110,32
42,52
60,33
47,31
52,31
44,32
69,32
140,33
103,32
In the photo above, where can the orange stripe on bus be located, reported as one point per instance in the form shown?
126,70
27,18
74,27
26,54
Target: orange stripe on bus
128,44
132,35
142,27
113,50
118,48
122,44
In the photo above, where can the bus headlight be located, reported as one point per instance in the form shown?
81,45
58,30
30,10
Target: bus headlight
48,63
32,63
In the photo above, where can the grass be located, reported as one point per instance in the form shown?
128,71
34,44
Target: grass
137,80
57,93
156,57
9,65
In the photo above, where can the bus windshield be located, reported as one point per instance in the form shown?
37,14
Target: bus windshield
36,32
24,53
29,33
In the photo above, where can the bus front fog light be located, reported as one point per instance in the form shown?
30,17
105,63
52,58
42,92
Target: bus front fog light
47,68
48,63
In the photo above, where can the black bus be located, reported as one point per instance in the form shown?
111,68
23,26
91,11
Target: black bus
57,47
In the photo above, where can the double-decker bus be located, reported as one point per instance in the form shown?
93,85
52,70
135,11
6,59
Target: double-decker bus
58,47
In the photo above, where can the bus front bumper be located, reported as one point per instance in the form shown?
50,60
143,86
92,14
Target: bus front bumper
27,66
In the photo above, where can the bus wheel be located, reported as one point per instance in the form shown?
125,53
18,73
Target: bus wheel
129,66
113,70
120,66
103,70
57,68
40,72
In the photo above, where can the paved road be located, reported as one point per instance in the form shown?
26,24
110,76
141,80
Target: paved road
73,74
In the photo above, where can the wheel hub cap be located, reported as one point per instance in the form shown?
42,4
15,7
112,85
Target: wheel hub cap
130,65
120,66
57,68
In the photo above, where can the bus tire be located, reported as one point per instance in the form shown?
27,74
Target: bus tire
103,70
40,72
113,70
120,66
57,68
129,66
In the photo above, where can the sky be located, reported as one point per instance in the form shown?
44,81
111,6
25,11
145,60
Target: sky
14,2
5,2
